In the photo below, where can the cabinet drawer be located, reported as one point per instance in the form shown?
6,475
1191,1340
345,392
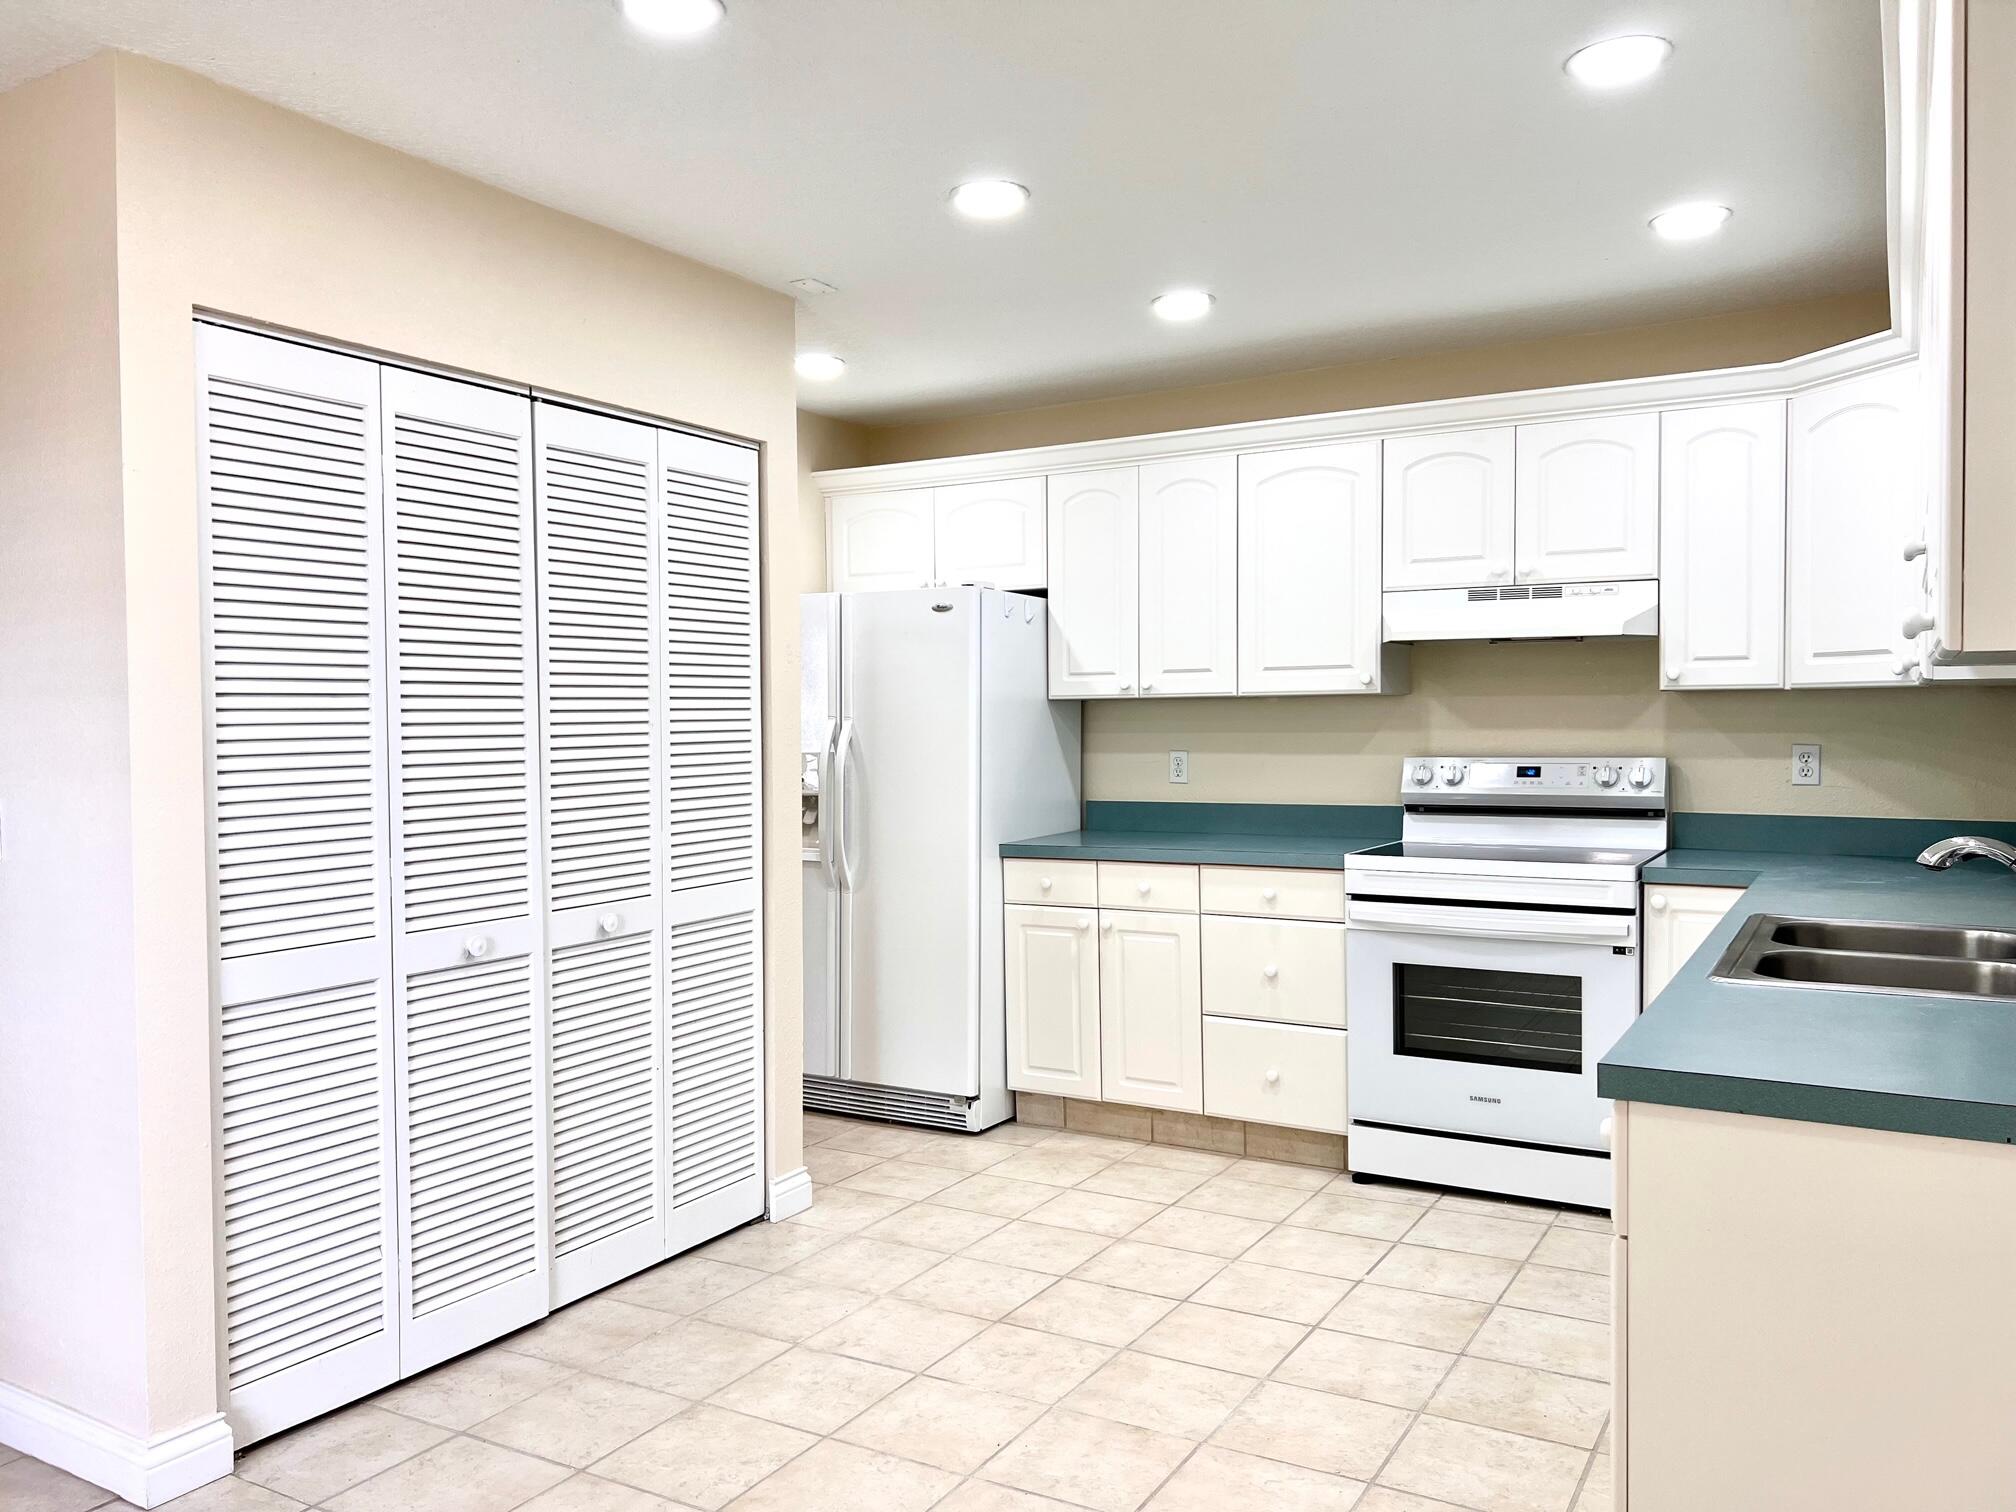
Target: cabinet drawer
1135,884
1269,893
1274,1073
1072,884
1286,970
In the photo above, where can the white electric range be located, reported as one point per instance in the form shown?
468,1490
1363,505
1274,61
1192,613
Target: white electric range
1493,960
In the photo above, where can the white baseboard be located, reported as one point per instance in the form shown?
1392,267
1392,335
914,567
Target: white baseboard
146,1472
790,1194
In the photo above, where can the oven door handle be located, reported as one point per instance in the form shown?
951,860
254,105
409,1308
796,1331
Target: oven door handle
1493,924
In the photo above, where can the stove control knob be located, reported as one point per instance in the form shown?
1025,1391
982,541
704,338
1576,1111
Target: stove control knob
1641,775
1423,774
1452,773
1606,775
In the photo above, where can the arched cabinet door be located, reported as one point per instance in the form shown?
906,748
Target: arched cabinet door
1190,577
1095,585
880,540
1588,495
1448,510
990,533
1722,546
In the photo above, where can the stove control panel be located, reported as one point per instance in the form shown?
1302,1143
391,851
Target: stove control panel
1639,781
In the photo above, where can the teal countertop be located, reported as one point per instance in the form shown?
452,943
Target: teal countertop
1872,1060
1204,847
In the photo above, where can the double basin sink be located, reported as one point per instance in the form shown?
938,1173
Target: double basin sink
1935,960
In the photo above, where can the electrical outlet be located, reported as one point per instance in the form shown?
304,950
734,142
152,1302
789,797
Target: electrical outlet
1805,766
1179,766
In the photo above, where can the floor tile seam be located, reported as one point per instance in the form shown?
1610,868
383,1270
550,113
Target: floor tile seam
404,1458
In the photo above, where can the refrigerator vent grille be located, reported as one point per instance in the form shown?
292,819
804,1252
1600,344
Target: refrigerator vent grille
936,1110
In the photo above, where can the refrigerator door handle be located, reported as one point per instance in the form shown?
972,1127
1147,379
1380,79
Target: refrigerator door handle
843,744
829,804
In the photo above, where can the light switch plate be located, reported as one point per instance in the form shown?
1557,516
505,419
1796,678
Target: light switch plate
1179,766
1805,766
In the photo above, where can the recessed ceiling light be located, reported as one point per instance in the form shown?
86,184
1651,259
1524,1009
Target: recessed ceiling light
1182,304
989,199
1619,62
820,367
673,18
1691,222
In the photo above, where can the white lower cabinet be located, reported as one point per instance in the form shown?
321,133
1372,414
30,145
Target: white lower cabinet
1677,921
1053,1000
1288,970
1151,1048
1285,1074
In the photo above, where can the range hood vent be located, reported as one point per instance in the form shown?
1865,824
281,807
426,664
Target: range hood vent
1524,611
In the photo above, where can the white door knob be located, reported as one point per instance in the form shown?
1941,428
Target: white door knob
1141,888
1657,902
1913,550
1269,894
1270,971
1365,679
1147,687
1273,1077
1672,672
476,947
1044,883
1499,574
1106,926
609,923
1907,669
1916,625
1525,569
1085,924
1126,687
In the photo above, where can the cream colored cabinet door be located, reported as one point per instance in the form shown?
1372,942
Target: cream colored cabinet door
879,540
1588,500
1094,551
990,533
1151,1026
1855,499
1449,510
1722,546
1309,609
1190,577
1677,920
1053,1000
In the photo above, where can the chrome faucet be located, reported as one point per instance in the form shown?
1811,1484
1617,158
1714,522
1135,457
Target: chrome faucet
1960,847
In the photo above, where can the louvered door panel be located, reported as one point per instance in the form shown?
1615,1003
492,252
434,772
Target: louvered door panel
713,1002
599,612
462,635
290,495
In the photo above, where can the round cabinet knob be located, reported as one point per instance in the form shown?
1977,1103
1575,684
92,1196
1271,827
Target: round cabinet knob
1657,902
1499,574
1453,772
1672,673
1606,775
476,947
1641,775
1907,669
1422,774
1913,550
1268,894
1126,687
1044,883
609,923
1141,888
1106,927
1147,687
1365,679
1916,625
1273,1076
1270,971
1083,925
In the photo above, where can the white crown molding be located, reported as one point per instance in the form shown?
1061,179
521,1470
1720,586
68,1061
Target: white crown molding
145,1472
790,1195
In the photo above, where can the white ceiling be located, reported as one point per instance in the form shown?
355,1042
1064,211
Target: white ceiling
1350,177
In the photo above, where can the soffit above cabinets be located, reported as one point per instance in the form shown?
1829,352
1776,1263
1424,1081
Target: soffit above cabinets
1349,180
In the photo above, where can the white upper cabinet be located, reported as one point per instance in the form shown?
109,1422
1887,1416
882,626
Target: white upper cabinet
1722,546
1190,576
1855,500
1588,500
881,540
1449,510
1094,551
1309,570
990,533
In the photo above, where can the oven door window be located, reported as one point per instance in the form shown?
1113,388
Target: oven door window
1497,1018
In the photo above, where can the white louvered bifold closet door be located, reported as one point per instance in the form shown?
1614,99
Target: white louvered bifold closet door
713,796
470,962
289,485
598,593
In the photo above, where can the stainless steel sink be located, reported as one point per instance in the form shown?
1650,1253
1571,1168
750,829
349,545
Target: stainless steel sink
1931,960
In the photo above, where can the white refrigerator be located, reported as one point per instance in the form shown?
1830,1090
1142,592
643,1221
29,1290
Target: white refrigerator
929,738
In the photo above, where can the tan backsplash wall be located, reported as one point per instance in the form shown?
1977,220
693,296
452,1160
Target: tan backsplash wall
1931,752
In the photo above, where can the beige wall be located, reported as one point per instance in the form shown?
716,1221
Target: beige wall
72,1321
228,204
1939,752
1683,346
823,442
1933,752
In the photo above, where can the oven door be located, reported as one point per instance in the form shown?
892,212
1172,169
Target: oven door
1469,1019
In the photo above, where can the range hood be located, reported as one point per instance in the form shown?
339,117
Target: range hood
1524,611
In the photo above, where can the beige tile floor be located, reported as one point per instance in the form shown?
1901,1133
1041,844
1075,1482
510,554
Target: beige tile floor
1021,1322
